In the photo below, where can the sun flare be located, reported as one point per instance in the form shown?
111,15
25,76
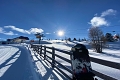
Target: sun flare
60,33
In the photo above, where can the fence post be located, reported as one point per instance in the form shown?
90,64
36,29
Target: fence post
44,52
29,46
71,63
34,48
40,50
53,57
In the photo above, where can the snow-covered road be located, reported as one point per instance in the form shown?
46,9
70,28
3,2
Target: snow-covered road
17,62
14,63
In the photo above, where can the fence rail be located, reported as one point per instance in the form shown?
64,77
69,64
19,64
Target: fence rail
53,62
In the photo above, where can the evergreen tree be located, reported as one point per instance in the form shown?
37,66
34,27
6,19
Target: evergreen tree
109,37
74,39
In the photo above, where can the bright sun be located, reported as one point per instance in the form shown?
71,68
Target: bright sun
60,33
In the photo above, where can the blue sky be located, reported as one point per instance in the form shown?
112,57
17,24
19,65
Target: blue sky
74,17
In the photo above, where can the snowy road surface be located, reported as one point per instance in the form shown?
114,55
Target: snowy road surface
18,63
14,63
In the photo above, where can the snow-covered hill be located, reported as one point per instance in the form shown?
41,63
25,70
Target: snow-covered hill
24,64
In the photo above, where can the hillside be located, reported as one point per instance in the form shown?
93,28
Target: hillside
13,57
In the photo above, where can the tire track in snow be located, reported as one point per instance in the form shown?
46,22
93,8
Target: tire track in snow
6,53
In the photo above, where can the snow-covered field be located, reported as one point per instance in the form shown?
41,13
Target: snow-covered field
18,62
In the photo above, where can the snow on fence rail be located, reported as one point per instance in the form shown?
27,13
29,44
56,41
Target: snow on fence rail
42,50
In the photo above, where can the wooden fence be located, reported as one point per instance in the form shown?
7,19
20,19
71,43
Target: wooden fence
42,50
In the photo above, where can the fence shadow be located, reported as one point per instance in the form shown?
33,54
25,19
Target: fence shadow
50,71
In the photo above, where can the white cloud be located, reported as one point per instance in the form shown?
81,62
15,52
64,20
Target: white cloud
35,30
9,33
30,31
1,30
108,12
95,14
48,33
98,21
101,21
17,29
6,33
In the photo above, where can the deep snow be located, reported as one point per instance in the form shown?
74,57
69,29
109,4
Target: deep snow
18,62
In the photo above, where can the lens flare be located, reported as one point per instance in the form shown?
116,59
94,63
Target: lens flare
60,33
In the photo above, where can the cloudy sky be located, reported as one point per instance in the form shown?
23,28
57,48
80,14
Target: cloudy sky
74,17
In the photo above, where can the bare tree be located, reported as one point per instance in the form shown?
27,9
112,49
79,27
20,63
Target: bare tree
97,38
